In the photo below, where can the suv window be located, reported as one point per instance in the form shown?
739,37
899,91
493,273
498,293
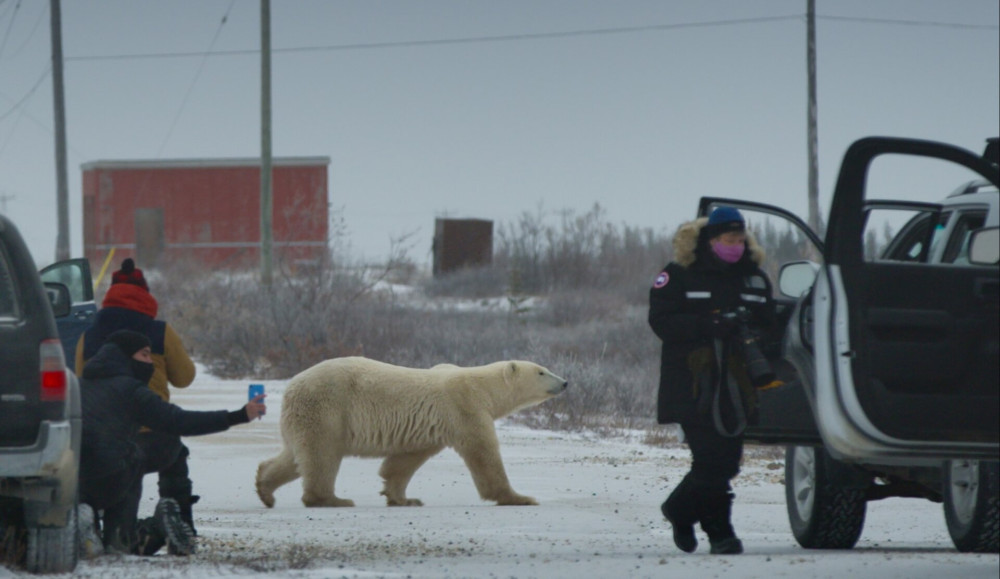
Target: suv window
957,250
914,242
8,297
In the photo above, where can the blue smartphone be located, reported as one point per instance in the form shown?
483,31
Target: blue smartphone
254,391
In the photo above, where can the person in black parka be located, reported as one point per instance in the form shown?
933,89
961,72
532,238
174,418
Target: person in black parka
129,305
116,402
715,272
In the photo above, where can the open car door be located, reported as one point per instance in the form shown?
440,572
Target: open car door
906,350
784,415
75,275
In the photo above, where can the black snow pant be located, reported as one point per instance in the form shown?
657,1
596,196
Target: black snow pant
715,459
116,496
705,494
167,455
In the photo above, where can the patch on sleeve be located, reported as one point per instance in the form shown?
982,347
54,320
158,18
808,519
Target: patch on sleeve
661,280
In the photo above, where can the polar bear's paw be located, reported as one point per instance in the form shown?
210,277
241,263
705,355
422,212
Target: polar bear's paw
314,501
513,499
266,498
396,502
266,495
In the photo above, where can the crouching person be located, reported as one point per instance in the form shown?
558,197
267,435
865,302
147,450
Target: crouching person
116,403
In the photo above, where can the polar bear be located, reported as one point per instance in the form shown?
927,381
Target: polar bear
356,406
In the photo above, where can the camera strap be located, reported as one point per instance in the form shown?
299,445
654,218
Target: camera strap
727,392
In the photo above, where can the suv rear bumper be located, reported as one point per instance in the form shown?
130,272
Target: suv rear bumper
45,458
44,474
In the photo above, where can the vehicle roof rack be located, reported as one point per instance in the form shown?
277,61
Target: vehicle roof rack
974,186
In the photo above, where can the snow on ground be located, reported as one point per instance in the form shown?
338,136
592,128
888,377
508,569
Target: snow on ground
412,297
598,517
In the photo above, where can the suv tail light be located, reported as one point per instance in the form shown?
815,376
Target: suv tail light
53,371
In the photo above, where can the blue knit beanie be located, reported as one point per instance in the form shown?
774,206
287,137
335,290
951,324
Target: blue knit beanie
722,220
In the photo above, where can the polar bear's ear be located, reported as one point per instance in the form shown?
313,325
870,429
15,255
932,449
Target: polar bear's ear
509,371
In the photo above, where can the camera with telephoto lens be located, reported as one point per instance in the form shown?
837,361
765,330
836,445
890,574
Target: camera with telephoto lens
758,368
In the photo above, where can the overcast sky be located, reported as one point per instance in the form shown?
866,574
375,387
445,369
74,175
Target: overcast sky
660,103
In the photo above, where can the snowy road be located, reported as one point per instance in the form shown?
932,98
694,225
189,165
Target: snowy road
598,517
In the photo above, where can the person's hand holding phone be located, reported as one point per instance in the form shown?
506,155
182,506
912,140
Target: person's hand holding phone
255,407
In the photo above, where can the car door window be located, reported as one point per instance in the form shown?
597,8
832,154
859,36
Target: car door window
957,250
915,241
783,236
74,274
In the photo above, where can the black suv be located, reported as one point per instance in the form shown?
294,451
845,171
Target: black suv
891,343
40,422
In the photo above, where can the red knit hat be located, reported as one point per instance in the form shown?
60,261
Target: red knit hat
129,273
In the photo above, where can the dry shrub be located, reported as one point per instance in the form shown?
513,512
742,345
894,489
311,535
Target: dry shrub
238,329
573,298
571,307
478,282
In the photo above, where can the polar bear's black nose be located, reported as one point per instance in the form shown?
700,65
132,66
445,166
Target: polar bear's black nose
565,385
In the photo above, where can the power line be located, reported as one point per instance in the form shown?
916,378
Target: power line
47,128
531,36
194,81
38,21
447,41
30,92
10,25
911,22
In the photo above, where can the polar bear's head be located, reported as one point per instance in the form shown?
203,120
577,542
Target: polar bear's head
530,384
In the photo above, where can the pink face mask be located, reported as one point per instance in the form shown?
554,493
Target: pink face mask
729,253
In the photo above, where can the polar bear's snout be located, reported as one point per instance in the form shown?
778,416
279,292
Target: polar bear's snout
558,384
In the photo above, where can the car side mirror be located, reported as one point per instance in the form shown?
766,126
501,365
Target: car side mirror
59,299
984,246
797,277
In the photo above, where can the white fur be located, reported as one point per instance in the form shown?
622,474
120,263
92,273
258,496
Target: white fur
361,407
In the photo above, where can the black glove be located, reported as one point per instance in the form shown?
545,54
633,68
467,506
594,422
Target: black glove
720,327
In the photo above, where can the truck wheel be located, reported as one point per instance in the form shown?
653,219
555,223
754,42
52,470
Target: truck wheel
53,549
822,514
970,505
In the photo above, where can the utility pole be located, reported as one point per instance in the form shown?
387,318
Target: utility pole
4,198
815,221
58,103
265,143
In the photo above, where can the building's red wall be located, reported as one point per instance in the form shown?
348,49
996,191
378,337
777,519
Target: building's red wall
210,214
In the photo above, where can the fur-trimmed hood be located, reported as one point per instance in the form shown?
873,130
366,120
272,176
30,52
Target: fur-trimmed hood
686,243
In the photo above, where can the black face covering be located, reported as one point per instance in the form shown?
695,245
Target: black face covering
142,370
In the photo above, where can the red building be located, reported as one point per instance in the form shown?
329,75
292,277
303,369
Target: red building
205,210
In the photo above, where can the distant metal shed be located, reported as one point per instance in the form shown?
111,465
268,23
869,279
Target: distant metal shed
461,243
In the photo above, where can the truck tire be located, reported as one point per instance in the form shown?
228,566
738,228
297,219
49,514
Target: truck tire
971,508
822,514
53,549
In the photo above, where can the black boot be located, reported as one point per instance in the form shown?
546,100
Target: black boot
185,502
151,537
714,510
679,510
118,530
180,538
